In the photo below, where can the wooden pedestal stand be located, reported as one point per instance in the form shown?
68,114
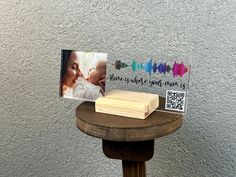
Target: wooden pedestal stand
127,139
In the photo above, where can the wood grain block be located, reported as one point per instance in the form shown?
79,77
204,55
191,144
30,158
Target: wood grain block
126,103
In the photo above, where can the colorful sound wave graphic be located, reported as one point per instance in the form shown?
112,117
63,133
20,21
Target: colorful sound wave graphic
149,67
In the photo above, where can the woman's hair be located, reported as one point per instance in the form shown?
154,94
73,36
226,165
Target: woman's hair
65,55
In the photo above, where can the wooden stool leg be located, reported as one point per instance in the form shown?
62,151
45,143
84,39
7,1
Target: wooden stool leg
133,168
133,155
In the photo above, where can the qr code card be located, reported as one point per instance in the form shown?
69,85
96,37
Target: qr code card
175,100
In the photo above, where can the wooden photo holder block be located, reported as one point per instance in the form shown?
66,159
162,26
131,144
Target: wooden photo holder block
128,104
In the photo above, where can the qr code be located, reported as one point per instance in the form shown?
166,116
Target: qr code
175,100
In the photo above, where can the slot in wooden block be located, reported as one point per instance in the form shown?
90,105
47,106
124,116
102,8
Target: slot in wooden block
126,103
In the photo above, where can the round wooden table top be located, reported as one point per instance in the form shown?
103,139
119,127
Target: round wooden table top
118,128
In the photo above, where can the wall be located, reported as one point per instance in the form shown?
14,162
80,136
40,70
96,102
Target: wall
37,128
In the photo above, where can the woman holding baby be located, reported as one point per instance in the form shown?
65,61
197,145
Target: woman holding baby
74,85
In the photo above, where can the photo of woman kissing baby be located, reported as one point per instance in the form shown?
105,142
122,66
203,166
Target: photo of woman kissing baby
83,75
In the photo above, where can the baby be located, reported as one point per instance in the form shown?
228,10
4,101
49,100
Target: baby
97,74
90,89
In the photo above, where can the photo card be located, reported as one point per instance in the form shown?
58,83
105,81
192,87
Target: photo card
82,75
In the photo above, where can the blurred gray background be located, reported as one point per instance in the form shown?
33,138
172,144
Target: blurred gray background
38,136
